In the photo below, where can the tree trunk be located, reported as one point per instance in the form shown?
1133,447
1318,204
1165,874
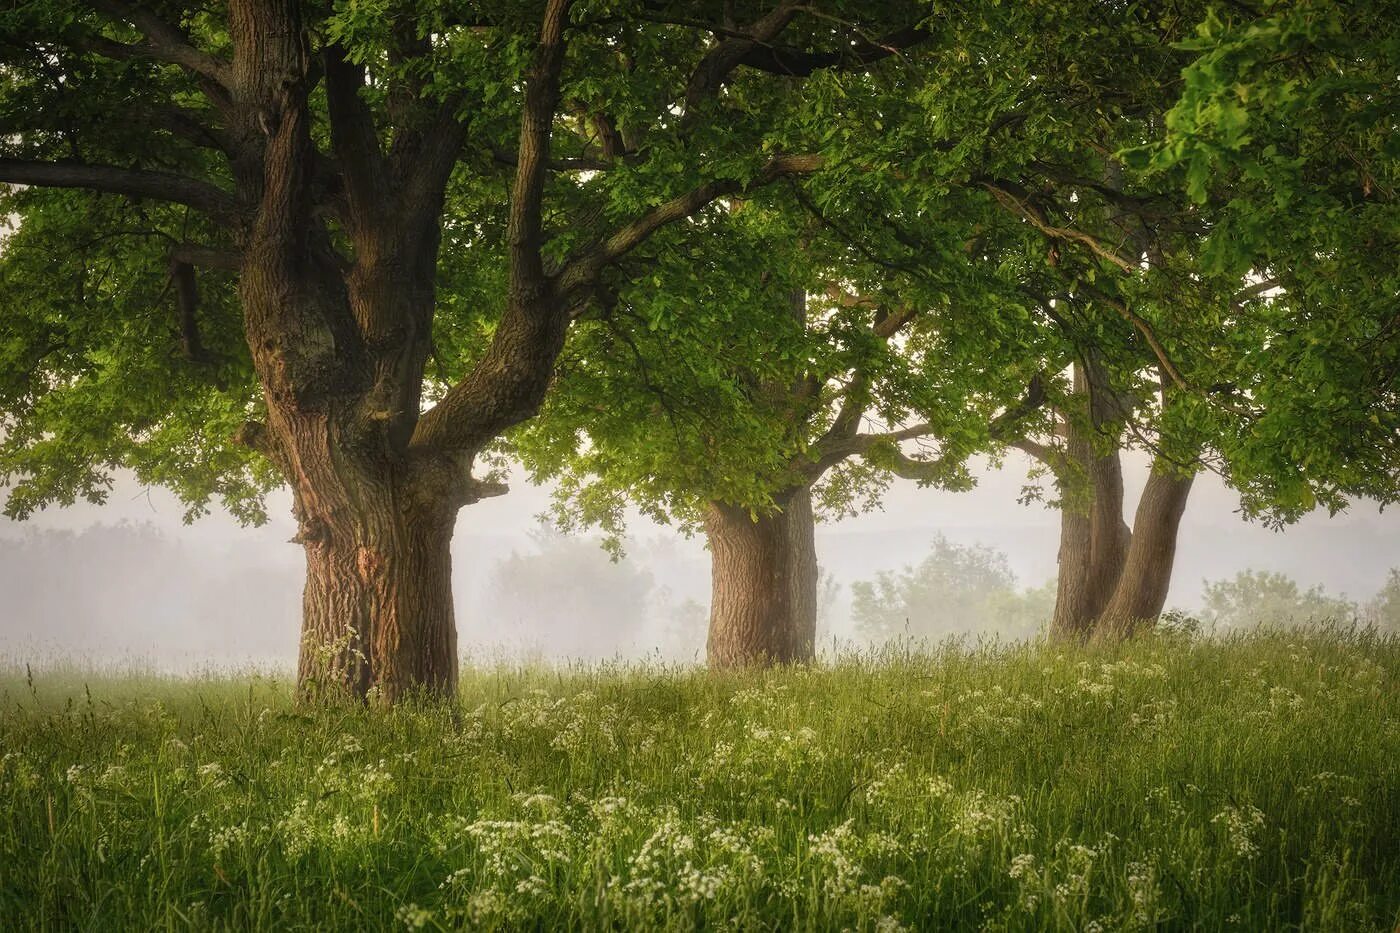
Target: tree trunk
377,618
1094,538
763,607
1141,592
1094,543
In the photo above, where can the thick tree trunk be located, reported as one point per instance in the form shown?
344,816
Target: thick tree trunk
377,618
1141,592
763,607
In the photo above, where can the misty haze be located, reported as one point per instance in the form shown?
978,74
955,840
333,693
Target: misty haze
129,583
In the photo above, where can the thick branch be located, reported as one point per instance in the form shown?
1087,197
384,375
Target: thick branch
1046,454
509,382
1258,290
190,125
525,228
137,183
187,303
207,256
424,178
794,62
353,134
719,63
165,42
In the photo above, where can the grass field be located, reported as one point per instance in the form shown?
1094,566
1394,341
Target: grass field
1249,783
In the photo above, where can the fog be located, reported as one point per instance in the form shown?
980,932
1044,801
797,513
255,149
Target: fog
129,583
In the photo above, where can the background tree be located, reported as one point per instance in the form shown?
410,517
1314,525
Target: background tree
1285,384
377,224
756,421
1011,243
956,590
1383,610
1262,597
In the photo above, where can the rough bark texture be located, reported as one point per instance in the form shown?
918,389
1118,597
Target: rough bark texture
1094,543
763,607
340,356
377,608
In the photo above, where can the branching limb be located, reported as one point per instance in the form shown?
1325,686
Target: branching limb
165,42
1018,201
210,257
719,63
1142,326
353,134
138,183
525,227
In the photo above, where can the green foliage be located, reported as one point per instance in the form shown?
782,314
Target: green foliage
1192,784
1265,598
1004,176
65,97
955,590
1284,135
93,373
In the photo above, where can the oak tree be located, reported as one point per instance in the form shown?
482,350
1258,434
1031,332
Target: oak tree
339,246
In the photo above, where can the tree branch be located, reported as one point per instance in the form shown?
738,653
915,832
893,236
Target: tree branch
165,42
1046,454
525,226
504,156
835,447
1257,290
137,183
719,63
187,303
189,125
209,257
353,135
781,60
580,271
1016,199
1142,327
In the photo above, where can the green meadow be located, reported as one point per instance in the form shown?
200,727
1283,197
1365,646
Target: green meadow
1249,783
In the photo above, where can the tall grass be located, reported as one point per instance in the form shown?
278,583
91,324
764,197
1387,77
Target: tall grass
1249,783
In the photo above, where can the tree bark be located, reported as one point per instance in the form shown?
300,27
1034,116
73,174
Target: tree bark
1094,538
763,607
1142,587
377,618
1094,543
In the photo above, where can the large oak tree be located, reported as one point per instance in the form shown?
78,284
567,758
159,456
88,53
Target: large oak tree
373,226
